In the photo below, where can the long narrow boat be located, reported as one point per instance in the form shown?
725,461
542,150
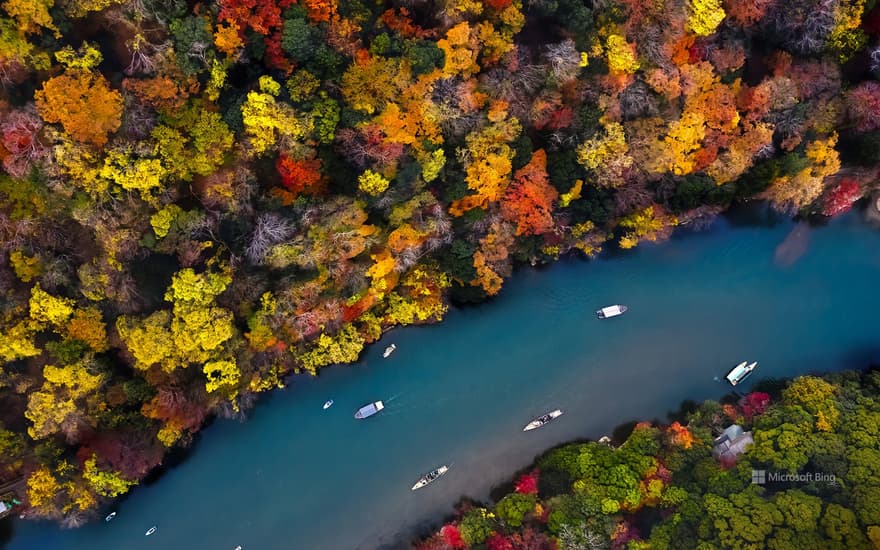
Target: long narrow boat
150,531
369,410
430,477
611,311
738,373
542,420
389,350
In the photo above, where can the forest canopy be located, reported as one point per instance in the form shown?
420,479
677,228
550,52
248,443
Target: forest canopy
199,199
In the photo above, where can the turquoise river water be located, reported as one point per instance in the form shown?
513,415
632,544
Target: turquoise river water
296,477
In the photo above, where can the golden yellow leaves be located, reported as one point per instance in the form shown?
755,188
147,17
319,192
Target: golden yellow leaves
801,189
649,224
372,183
607,155
705,16
46,308
221,374
382,272
486,278
685,137
620,54
572,194
266,121
461,52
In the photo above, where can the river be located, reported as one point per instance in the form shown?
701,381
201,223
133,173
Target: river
296,477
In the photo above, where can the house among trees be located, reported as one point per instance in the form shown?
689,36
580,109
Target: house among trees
731,443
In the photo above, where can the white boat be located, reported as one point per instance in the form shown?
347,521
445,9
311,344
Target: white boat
611,311
150,531
543,419
389,350
110,516
430,477
738,373
328,404
369,410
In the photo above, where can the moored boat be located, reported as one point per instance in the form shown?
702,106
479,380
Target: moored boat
542,420
369,410
611,311
738,373
328,404
389,350
430,477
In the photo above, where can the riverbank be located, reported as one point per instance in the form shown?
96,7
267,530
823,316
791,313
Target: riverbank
698,303
795,466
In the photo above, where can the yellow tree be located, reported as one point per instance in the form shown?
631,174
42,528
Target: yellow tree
649,224
704,16
60,404
801,189
267,121
460,51
31,15
607,155
45,308
620,55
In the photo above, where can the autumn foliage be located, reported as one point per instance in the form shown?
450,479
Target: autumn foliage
199,199
83,103
300,176
528,201
527,484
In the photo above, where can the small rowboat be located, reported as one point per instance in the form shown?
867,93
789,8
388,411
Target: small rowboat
388,351
611,311
150,531
110,516
542,420
430,477
328,404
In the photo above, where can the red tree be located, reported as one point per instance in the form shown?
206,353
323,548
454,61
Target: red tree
19,135
498,4
261,16
528,201
841,198
300,176
754,404
499,542
528,483
453,536
863,106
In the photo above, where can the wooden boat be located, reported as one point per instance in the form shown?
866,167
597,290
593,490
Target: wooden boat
110,516
430,477
389,350
328,404
150,531
542,420
738,373
369,410
611,311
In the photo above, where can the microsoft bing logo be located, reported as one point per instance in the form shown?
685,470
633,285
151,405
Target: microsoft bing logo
759,477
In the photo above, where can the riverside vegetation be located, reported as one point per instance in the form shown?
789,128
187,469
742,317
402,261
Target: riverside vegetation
199,199
662,488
